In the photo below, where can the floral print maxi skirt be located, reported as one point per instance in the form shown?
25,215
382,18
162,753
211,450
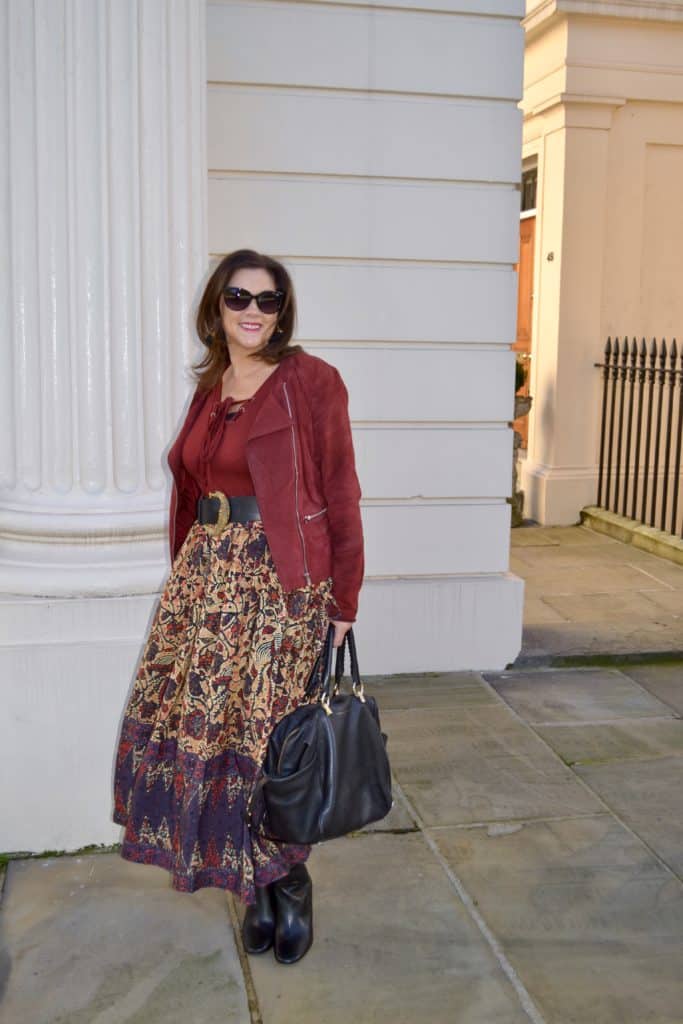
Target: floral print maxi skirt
228,654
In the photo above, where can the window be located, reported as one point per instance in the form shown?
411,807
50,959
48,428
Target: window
529,178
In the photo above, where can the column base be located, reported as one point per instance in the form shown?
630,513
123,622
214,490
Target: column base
82,554
554,496
440,623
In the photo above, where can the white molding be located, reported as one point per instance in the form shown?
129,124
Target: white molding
512,10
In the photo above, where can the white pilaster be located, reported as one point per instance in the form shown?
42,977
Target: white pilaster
102,204
559,474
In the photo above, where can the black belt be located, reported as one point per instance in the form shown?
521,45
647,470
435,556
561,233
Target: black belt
218,509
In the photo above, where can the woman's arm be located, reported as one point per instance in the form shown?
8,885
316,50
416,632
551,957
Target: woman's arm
183,513
334,443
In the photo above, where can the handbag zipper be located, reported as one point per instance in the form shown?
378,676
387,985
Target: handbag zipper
296,485
312,515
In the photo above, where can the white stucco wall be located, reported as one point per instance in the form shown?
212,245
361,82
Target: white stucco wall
376,151
603,116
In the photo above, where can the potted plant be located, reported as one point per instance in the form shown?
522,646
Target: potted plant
522,402
522,406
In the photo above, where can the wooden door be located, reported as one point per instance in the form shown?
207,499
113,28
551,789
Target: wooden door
525,295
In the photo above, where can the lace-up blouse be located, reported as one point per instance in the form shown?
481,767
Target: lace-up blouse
214,452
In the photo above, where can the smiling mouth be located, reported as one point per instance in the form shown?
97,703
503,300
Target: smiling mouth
251,327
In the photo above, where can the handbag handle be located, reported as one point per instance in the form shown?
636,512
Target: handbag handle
349,639
326,654
319,672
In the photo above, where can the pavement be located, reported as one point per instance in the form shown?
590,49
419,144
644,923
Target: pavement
531,868
587,595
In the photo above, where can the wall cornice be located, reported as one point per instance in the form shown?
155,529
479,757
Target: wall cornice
651,10
606,104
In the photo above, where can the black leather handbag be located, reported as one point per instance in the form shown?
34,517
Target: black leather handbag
326,770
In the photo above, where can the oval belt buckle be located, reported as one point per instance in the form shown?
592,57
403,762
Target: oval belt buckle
223,517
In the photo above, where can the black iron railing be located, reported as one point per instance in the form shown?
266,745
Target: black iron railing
641,433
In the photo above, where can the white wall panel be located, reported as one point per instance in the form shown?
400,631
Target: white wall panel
377,219
375,48
403,384
373,134
432,538
421,462
412,302
462,621
61,795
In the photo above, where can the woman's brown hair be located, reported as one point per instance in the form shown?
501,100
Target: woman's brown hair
209,322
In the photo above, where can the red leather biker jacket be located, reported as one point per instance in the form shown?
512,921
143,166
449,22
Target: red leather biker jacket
301,459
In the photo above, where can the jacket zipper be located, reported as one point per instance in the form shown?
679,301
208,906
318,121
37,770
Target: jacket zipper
296,485
312,515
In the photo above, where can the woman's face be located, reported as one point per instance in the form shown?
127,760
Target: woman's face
249,329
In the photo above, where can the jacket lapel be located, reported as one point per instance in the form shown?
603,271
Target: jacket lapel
272,415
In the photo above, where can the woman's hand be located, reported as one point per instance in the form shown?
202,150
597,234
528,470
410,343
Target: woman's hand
340,631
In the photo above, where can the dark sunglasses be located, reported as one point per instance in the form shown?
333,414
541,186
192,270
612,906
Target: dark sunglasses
239,298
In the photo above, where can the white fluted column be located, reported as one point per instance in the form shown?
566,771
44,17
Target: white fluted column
102,209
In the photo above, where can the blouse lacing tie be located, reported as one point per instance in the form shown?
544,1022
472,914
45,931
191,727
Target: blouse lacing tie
213,437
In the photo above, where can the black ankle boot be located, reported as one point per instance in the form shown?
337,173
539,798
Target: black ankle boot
258,927
293,898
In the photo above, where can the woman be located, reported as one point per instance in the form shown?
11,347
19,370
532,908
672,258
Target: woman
266,548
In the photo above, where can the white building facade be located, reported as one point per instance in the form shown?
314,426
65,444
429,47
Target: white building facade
603,123
375,150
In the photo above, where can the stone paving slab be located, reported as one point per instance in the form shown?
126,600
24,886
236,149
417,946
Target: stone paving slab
669,601
439,689
561,556
664,681
607,551
662,571
570,638
398,819
479,764
622,610
540,536
648,797
98,939
589,919
576,695
589,594
536,610
603,579
531,537
644,738
516,565
392,943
